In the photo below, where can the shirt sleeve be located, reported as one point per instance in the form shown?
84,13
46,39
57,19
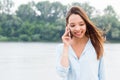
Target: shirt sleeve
101,73
61,70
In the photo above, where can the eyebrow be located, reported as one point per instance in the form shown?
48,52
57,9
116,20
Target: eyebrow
78,22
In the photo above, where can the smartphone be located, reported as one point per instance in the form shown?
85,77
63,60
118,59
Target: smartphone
70,34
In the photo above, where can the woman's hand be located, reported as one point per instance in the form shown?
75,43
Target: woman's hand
66,37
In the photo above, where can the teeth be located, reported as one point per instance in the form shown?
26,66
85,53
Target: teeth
79,33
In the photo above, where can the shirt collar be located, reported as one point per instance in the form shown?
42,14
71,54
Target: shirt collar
83,53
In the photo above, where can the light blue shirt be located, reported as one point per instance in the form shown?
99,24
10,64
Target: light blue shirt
87,67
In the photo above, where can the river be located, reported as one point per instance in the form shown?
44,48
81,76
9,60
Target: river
36,61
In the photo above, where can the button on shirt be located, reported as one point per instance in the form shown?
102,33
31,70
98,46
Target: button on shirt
87,67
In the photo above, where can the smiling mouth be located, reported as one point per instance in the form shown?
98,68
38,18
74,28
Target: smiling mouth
79,33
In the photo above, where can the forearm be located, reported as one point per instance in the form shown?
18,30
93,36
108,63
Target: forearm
64,58
62,64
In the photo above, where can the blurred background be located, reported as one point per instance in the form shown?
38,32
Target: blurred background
30,30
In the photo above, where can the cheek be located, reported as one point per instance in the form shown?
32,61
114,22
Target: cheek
84,28
72,31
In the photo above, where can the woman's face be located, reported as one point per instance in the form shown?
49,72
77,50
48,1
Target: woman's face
77,26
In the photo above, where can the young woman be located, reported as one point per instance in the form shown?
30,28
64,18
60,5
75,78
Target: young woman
80,56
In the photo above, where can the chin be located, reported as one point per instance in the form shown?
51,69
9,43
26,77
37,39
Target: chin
80,37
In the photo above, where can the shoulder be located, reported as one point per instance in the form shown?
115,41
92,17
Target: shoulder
90,45
59,47
91,49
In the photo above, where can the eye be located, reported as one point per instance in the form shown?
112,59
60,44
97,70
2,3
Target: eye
82,24
72,25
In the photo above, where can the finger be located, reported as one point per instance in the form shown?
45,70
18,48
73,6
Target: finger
67,28
67,32
65,37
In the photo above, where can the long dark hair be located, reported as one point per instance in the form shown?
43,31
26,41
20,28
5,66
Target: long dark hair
92,31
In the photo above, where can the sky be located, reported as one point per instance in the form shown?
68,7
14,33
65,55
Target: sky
98,4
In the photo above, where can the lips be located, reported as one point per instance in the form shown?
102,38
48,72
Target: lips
78,33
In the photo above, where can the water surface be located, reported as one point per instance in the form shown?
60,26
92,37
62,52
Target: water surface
36,61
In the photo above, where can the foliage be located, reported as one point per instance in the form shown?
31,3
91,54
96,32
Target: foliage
45,21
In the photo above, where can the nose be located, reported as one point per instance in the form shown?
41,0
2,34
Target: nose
77,28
